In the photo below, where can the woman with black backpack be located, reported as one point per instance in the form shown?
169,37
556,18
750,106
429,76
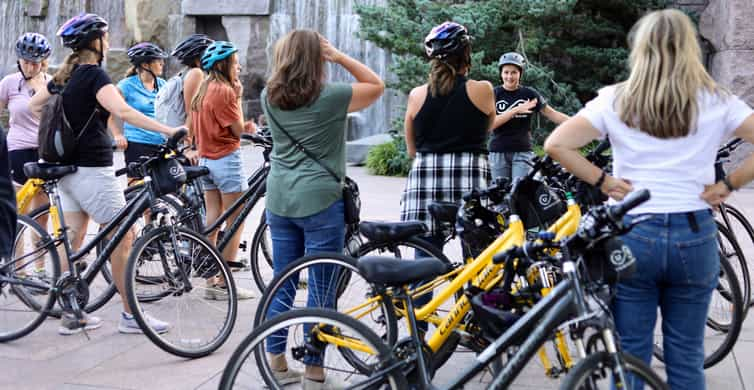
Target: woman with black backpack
93,191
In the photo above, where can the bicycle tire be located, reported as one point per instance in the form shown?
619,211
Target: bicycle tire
741,219
188,242
735,255
253,344
579,378
341,277
731,331
42,309
260,252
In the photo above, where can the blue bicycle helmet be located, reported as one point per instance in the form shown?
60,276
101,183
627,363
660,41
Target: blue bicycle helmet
33,47
217,51
81,29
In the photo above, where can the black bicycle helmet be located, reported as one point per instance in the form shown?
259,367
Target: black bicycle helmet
33,47
512,58
145,52
192,47
445,39
79,30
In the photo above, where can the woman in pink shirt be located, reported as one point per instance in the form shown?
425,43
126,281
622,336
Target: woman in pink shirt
16,90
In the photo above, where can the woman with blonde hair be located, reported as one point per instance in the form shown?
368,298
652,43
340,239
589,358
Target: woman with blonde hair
304,202
665,123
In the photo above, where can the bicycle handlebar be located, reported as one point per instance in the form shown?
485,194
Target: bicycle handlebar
616,212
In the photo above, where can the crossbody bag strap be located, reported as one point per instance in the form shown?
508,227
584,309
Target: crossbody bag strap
299,146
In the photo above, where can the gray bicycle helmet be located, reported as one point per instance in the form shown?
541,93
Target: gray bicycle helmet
512,58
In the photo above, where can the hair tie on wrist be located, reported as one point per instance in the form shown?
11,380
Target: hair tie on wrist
601,180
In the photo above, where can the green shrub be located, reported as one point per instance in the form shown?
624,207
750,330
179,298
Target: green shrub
389,159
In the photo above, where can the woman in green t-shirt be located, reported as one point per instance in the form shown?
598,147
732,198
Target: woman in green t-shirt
304,202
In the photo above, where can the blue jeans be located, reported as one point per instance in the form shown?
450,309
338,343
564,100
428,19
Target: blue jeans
293,238
677,269
510,165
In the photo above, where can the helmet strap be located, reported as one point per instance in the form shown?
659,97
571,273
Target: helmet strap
18,64
154,77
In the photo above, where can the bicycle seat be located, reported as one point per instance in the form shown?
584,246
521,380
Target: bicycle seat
390,271
391,231
195,172
35,170
443,212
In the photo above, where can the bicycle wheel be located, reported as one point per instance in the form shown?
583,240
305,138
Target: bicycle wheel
260,255
730,248
724,318
304,332
182,267
339,286
743,231
26,295
597,371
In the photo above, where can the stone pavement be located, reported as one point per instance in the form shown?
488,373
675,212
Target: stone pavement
109,360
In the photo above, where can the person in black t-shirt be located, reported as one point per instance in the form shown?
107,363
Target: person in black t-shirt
515,104
7,202
93,191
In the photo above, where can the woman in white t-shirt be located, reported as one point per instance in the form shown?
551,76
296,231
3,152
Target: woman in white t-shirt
665,124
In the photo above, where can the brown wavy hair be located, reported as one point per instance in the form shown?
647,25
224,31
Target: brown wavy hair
298,70
442,73
220,72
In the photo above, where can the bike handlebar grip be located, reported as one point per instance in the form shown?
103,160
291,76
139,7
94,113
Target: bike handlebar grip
172,143
121,172
631,201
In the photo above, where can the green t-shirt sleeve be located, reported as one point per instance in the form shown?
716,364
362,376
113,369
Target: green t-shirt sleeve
340,95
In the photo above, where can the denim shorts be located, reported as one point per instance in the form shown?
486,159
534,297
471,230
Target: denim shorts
225,173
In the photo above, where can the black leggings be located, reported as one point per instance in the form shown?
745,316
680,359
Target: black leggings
17,160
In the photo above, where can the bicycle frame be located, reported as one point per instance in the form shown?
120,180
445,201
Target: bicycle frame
26,193
481,272
123,221
257,188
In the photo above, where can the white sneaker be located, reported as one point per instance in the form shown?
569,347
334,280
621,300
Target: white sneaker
330,383
70,325
218,293
129,325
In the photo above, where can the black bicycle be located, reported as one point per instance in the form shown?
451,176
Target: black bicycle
183,263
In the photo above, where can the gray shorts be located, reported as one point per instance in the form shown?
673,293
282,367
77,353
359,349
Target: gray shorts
95,191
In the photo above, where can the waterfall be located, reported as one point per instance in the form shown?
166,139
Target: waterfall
338,22
15,21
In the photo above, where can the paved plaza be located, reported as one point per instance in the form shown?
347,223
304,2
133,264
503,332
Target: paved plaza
109,360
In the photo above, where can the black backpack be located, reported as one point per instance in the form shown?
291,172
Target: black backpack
57,140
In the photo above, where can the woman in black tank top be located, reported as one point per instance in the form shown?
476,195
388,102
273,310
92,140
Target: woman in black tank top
446,128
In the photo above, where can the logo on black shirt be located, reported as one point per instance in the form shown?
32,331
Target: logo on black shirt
502,106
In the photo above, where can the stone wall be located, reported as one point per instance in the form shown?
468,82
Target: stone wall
727,26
